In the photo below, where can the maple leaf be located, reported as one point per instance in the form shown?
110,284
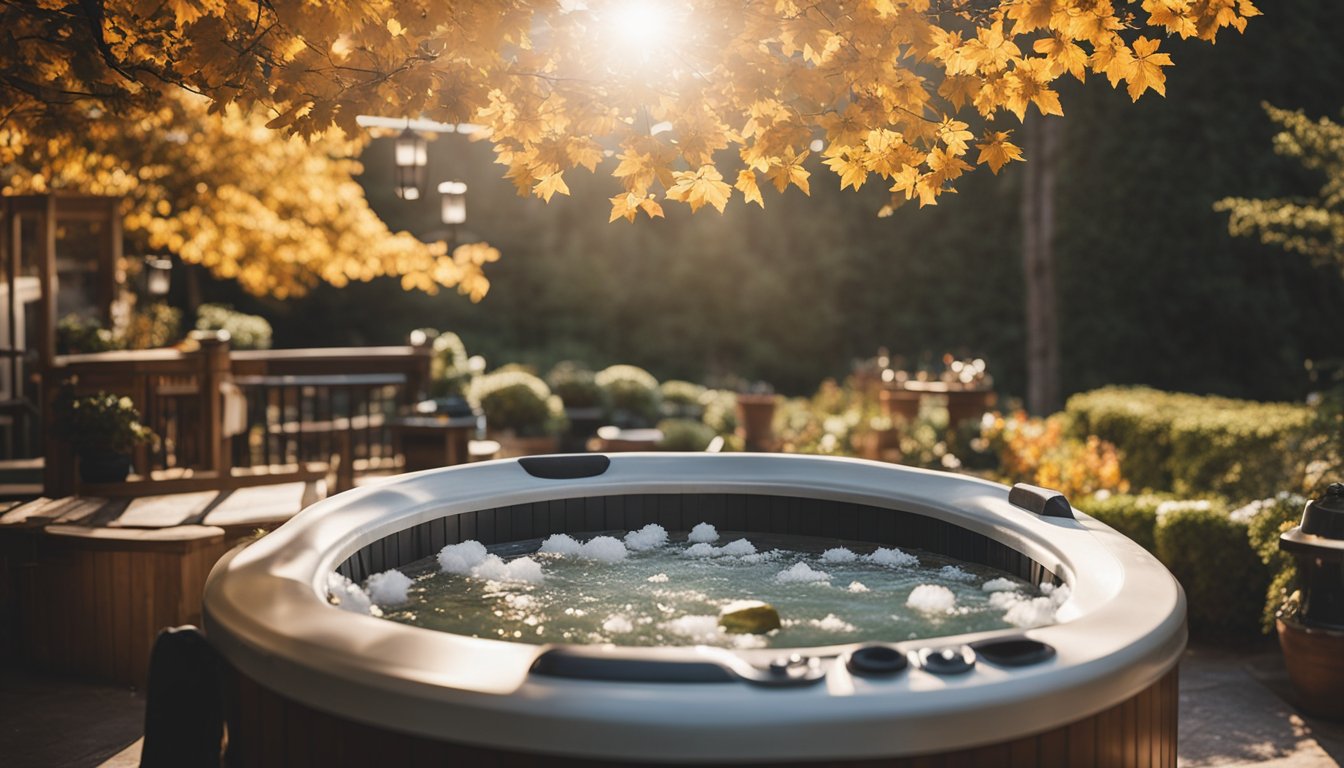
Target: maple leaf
700,187
996,151
1063,55
1145,71
746,184
851,170
549,184
788,170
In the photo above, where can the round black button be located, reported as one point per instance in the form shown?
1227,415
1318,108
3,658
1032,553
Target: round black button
876,661
951,660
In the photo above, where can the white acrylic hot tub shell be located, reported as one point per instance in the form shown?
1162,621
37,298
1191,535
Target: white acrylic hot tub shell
265,611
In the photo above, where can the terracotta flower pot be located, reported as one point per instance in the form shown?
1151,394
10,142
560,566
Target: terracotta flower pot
511,445
755,419
1315,661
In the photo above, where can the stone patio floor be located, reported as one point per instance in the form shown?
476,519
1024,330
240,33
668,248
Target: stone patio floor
1234,712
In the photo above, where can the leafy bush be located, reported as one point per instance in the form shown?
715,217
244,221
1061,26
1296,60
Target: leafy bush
632,393
1193,444
1041,452
681,399
1267,519
152,326
104,423
79,335
576,386
1210,554
245,331
449,374
517,400
720,410
684,435
1134,516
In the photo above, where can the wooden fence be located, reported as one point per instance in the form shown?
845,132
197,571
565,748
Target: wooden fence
219,413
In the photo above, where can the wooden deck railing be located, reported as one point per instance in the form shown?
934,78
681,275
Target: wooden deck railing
220,412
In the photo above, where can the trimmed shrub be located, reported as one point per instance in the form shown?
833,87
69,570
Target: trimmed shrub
79,335
1267,519
684,435
1196,445
720,410
633,394
681,399
576,386
449,373
245,331
514,399
1134,516
1209,553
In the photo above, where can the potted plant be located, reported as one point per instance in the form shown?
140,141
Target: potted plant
520,411
585,402
633,394
756,417
103,429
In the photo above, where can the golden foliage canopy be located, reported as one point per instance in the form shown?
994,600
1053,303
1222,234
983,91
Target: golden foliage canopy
1314,225
275,213
682,95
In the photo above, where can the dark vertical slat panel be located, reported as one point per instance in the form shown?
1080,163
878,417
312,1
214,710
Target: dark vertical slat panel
887,522
485,526
669,512
504,525
809,522
541,519
1143,734
758,513
711,508
406,549
574,515
867,523
1110,738
1022,753
375,557
780,509
466,526
298,725
438,535
847,517
734,512
1083,742
828,519
633,509
594,514
556,513
522,522
649,512
613,513
1052,749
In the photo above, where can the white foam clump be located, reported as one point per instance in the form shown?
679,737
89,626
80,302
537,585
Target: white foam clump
349,596
703,533
999,585
858,587
389,587
650,536
470,559
1027,612
931,598
617,624
738,548
697,628
954,573
832,623
657,578
604,548
800,573
893,557
838,555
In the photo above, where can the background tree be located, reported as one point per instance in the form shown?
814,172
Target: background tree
1310,225
221,190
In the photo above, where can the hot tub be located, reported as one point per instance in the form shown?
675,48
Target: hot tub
312,684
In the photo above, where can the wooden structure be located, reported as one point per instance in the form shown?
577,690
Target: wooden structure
29,258
90,581
225,414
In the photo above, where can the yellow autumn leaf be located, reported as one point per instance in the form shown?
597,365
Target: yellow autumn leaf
996,151
550,184
746,184
700,187
1145,71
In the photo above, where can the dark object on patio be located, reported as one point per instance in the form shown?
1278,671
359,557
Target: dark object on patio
1313,639
184,711
104,467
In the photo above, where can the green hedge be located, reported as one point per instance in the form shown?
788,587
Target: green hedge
1211,555
1193,444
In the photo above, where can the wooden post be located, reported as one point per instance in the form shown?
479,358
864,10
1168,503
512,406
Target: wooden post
215,370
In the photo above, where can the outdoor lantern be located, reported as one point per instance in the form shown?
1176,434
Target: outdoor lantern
158,275
411,155
454,194
1318,546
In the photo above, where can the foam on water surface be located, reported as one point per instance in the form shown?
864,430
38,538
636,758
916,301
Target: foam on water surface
649,588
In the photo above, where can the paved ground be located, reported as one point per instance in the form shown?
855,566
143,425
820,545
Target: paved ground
1233,713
